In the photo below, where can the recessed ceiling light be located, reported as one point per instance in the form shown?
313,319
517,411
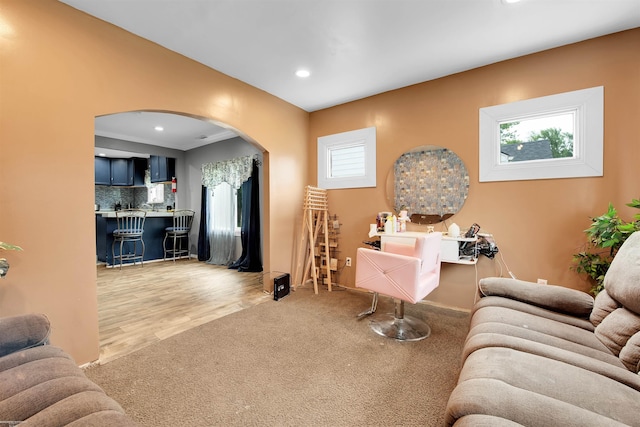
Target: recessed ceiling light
159,128
303,73
102,155
510,1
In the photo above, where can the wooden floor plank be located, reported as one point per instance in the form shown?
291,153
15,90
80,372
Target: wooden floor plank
140,305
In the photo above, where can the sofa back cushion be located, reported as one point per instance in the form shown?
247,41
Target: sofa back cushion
616,311
622,280
620,332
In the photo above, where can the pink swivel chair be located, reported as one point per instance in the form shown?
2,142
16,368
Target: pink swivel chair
406,273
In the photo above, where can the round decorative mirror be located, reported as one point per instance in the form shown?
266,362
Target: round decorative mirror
429,182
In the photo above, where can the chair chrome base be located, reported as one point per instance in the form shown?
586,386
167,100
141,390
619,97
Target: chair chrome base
406,329
397,325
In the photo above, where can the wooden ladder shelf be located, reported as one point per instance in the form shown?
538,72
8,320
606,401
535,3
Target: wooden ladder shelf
315,223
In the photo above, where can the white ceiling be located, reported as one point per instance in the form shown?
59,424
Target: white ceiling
178,132
357,48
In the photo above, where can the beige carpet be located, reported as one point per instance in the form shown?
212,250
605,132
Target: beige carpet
302,361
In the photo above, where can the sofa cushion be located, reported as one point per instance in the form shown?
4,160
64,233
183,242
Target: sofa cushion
615,331
41,385
616,370
501,334
45,386
23,377
630,353
82,407
523,307
539,392
30,355
550,297
623,277
543,325
21,332
602,307
39,396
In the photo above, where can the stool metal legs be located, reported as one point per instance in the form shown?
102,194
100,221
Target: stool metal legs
176,250
133,256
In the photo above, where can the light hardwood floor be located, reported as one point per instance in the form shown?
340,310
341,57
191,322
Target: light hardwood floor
140,305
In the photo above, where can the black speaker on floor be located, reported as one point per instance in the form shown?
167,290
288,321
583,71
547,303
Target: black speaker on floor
281,286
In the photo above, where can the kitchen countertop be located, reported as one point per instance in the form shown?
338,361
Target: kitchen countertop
150,214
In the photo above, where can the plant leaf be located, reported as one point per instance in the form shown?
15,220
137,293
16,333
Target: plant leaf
9,247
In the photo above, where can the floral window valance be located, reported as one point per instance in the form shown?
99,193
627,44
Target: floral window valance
234,171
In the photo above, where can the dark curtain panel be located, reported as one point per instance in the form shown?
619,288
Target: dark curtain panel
204,250
251,258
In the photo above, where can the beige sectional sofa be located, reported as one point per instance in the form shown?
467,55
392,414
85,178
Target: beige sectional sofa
41,385
544,355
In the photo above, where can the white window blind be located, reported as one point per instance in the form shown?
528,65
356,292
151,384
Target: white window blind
347,161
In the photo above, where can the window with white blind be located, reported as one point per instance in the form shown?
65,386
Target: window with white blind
348,159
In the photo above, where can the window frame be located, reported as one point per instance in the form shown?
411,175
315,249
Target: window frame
587,161
366,137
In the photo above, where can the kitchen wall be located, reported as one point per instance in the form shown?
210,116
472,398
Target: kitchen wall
188,170
537,224
108,195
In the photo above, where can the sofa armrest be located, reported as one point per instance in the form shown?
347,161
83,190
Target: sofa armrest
550,297
22,332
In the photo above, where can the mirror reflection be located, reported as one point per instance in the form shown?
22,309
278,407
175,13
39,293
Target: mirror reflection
429,182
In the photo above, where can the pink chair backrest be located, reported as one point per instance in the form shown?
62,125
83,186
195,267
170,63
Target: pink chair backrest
428,250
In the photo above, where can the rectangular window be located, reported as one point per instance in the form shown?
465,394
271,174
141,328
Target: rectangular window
555,136
348,159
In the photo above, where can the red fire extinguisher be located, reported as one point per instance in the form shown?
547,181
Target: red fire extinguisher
174,185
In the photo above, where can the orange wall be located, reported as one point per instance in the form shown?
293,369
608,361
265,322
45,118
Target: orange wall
59,68
539,224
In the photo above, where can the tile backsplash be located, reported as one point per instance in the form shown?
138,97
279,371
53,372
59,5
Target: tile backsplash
108,196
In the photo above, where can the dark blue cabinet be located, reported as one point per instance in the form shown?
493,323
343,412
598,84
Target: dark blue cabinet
102,170
121,171
163,169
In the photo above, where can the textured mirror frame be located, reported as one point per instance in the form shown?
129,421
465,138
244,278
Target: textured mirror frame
428,181
588,105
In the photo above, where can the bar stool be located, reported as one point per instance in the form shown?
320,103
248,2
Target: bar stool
182,220
130,226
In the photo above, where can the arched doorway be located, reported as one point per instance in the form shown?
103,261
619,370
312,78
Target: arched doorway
192,142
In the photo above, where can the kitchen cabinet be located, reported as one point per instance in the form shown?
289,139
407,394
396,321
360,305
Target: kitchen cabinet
102,166
163,169
121,171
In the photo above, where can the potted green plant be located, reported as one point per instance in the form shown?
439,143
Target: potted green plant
4,264
605,236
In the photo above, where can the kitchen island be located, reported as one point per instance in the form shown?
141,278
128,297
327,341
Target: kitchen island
154,226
